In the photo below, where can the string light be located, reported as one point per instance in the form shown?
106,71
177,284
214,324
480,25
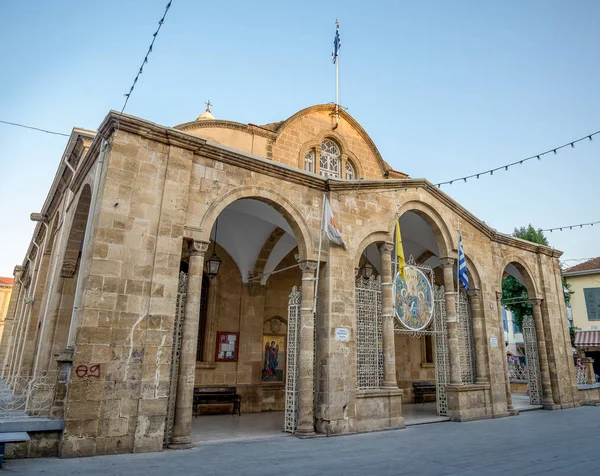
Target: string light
141,70
35,128
519,162
570,227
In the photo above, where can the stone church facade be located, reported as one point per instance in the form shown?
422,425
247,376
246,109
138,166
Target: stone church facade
116,278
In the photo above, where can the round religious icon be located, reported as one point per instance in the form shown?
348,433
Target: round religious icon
413,299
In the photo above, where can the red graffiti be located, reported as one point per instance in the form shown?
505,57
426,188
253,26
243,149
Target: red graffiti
83,371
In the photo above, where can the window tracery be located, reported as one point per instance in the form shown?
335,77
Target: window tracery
309,161
330,159
350,173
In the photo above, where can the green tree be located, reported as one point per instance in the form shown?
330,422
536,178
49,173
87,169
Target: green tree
529,233
513,290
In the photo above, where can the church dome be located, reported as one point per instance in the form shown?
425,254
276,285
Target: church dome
206,115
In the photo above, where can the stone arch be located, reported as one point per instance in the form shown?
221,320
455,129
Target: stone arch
373,237
279,202
474,277
72,255
265,251
523,268
440,230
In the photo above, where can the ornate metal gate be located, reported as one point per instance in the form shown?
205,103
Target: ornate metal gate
466,343
532,360
369,333
442,357
174,371
293,342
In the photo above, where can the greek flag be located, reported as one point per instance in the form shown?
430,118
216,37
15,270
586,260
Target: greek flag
463,275
337,43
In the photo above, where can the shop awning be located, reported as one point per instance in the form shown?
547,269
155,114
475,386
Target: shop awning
587,338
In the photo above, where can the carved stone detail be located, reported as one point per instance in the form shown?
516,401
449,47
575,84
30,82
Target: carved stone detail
196,247
68,268
447,262
386,247
308,265
535,302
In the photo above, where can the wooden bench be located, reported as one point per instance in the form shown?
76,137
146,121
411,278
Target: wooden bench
12,437
423,388
216,396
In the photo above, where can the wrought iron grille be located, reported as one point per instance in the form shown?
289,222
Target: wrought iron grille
369,333
27,394
517,370
466,343
175,353
581,374
442,358
533,362
293,343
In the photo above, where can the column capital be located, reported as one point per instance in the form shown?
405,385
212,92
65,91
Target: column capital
386,247
535,302
474,293
308,266
447,262
499,295
197,248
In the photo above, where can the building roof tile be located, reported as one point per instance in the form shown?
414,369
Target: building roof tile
589,265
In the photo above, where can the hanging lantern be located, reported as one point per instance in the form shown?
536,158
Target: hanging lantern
214,263
366,270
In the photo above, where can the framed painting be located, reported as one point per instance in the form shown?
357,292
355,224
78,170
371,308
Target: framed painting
274,353
227,346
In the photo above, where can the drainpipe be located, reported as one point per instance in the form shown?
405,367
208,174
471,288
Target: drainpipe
86,238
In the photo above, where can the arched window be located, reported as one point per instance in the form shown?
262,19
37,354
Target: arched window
330,159
309,161
350,173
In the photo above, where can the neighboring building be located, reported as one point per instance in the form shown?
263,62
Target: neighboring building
513,335
584,279
172,261
6,285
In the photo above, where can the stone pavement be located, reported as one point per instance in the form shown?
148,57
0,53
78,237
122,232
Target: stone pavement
539,442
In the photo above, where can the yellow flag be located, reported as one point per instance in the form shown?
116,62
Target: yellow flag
400,252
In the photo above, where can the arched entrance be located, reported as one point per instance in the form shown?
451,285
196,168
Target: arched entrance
524,376
252,263
423,357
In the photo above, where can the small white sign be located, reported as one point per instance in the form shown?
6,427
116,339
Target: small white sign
493,342
342,333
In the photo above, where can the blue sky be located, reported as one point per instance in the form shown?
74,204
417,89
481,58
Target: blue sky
445,89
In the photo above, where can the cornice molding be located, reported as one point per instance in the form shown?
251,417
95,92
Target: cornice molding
236,126
212,150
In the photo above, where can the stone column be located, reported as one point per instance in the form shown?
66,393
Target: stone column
509,405
182,426
451,320
542,355
389,345
479,337
307,351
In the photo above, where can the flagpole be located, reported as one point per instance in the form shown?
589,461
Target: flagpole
319,256
337,102
458,274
